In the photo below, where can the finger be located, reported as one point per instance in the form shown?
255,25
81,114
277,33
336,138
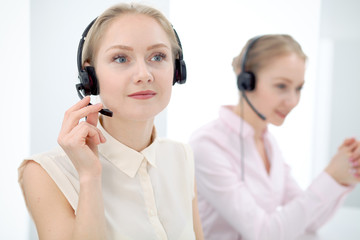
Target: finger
80,104
355,171
354,162
355,155
72,118
350,147
347,142
92,118
81,135
102,137
94,135
353,146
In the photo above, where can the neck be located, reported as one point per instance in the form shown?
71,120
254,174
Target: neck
248,115
136,135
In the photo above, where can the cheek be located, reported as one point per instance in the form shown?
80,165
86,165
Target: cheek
166,86
112,88
109,86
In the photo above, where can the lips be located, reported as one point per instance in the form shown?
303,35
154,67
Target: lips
143,94
282,115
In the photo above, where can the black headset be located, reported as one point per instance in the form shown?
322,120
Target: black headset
246,80
89,83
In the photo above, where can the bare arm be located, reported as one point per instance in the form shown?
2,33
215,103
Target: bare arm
52,213
196,219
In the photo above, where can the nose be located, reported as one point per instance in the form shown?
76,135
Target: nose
292,99
143,73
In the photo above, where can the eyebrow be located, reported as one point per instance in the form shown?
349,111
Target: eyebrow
159,45
120,47
124,47
288,80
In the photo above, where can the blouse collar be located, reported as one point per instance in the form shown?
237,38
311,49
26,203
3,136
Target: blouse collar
236,123
125,158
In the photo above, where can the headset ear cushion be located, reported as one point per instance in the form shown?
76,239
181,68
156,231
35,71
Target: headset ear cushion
183,72
180,72
92,79
84,82
246,81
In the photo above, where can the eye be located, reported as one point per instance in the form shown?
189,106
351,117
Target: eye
299,88
120,59
158,57
281,86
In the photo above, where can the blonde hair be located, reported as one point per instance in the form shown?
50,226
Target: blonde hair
264,50
101,24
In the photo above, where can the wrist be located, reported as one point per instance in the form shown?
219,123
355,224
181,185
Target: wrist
87,178
338,179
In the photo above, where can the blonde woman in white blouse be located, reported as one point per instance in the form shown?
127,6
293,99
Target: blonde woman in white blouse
112,177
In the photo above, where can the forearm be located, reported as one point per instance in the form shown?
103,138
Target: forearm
199,235
335,195
90,216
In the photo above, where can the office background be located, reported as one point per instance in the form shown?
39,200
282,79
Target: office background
38,43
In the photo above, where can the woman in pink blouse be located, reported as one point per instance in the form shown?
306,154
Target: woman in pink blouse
245,190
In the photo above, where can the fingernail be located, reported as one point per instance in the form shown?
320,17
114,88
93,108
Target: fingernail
352,171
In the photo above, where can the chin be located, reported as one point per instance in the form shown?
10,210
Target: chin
277,122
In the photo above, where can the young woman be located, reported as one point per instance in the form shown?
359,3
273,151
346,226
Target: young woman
112,177
245,189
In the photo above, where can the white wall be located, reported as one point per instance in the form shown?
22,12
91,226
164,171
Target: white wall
339,32
14,118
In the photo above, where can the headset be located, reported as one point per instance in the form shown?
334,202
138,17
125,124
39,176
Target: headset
246,80
89,84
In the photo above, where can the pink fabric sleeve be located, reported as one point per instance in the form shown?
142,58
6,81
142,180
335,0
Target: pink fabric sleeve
222,187
331,193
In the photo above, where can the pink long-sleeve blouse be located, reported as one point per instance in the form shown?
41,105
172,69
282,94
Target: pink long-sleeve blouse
264,205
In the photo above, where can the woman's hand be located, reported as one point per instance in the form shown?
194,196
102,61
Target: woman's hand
80,139
344,167
355,162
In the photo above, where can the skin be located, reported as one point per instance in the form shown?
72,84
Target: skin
277,92
135,69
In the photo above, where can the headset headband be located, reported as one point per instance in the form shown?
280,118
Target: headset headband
244,59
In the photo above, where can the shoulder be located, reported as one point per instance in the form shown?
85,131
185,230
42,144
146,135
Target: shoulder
44,199
51,171
38,186
174,155
34,179
53,161
54,153
213,135
33,164
210,130
174,147
49,162
35,169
